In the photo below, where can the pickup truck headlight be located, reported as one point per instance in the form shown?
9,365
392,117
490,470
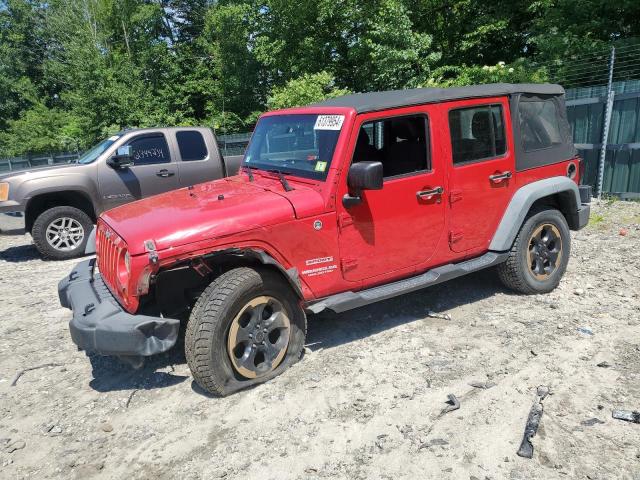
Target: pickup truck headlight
4,191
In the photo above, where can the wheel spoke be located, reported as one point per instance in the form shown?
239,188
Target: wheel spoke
242,335
270,350
276,320
247,360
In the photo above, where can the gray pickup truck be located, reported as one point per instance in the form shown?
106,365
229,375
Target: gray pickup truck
59,205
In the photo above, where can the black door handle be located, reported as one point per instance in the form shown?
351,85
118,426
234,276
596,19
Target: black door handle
429,194
164,173
499,177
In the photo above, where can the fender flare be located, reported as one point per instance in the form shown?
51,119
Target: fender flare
522,201
259,255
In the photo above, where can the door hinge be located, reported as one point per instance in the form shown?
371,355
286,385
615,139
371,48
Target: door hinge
344,220
348,264
455,196
455,236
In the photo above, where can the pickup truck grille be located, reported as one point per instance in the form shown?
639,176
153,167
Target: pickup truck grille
109,246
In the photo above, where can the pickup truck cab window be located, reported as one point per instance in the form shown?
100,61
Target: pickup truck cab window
301,145
477,133
401,144
150,149
191,145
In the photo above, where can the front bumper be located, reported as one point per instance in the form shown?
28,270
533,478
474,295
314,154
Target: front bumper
11,221
101,325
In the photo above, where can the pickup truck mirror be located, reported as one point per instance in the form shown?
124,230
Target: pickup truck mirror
362,176
122,159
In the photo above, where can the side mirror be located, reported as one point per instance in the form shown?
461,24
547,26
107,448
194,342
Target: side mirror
122,159
362,176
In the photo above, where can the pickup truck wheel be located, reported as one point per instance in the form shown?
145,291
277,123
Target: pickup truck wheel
61,232
539,256
246,327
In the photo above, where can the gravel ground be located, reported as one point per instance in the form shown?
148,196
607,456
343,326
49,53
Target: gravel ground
367,399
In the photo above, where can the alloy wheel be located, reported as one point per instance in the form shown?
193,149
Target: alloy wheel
545,251
258,337
65,234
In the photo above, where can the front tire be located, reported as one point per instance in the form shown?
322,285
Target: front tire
539,255
60,233
246,327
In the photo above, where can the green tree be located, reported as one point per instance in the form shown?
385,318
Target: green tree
311,88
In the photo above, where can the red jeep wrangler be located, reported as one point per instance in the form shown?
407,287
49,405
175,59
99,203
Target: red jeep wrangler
337,205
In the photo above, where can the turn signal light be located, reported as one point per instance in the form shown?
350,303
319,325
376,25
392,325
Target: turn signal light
4,192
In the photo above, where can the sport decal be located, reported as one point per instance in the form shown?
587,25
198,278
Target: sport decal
322,270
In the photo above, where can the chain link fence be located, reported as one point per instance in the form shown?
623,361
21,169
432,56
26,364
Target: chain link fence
603,106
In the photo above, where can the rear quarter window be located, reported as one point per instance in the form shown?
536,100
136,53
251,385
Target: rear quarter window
192,146
539,125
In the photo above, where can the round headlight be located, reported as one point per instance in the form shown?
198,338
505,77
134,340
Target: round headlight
124,269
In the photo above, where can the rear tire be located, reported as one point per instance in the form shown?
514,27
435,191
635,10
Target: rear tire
539,255
240,303
61,233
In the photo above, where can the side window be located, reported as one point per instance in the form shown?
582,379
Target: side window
191,145
150,149
400,143
539,124
477,133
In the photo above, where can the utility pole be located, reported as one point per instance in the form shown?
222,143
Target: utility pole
607,121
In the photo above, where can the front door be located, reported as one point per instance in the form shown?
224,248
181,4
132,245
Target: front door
481,178
399,226
154,171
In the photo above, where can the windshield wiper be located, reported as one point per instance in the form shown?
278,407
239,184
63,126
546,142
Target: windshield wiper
283,181
249,172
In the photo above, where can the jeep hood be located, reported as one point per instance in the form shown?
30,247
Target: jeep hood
209,210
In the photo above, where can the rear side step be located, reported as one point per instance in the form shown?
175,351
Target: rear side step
342,302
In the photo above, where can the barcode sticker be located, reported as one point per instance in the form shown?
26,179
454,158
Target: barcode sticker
329,122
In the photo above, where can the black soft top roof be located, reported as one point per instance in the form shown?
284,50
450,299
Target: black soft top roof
370,102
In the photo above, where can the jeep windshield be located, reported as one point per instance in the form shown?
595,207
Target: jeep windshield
96,151
301,145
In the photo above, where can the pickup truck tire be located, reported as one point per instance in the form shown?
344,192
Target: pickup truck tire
539,255
60,233
246,327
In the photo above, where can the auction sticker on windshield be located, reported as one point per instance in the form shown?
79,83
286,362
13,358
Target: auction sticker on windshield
329,122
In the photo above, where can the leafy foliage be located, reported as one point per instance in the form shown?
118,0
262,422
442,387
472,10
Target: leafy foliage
73,71
304,90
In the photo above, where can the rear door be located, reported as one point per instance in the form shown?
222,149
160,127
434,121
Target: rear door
482,168
398,227
199,156
154,171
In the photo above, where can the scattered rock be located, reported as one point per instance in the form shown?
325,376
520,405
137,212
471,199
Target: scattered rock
578,291
482,385
626,415
589,422
438,441
585,330
106,427
14,446
443,316
604,364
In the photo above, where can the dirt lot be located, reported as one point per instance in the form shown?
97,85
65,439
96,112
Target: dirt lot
366,400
